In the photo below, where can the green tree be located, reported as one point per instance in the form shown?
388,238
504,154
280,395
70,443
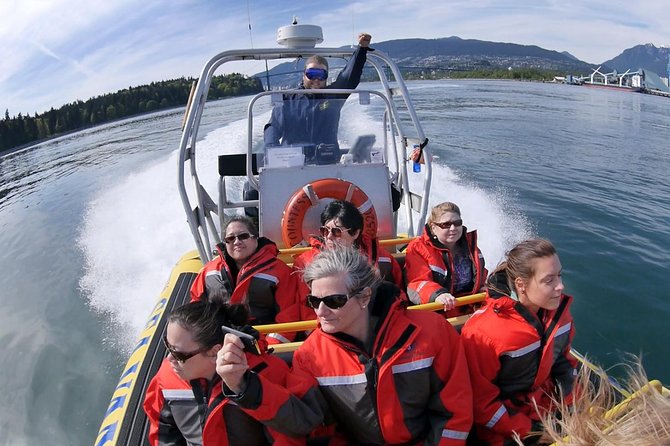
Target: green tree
110,112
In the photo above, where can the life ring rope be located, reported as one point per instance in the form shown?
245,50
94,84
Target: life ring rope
311,194
365,207
350,192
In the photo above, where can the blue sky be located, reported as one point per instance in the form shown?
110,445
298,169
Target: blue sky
57,51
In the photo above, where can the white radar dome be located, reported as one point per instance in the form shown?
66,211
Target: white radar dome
299,36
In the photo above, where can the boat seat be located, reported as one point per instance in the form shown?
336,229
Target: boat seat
235,165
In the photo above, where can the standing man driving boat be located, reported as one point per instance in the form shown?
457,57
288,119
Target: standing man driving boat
313,119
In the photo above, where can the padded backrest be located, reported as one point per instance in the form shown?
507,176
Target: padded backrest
235,165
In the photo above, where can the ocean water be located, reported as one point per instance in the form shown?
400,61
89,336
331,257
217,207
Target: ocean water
91,224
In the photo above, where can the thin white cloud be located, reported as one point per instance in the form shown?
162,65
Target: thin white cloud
58,51
46,50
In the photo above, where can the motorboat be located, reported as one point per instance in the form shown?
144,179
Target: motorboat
382,162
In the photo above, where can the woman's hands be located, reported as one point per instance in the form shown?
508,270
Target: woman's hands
231,363
447,300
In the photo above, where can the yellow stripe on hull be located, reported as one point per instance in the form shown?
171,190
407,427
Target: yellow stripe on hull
110,427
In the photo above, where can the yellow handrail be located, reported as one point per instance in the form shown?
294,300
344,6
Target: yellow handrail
293,346
382,242
311,325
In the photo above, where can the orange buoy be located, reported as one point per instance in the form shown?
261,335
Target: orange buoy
310,194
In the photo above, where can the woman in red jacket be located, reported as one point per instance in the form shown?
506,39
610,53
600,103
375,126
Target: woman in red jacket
445,261
518,345
248,271
382,375
342,225
184,403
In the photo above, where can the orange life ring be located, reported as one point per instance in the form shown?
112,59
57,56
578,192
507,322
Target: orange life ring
310,194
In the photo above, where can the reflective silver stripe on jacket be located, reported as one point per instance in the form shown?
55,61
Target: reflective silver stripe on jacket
563,329
279,337
178,394
496,416
412,366
269,277
523,350
437,269
456,435
422,284
326,381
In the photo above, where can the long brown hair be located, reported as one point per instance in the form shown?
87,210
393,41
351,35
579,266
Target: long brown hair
518,262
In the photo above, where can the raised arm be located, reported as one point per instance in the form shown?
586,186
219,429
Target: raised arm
350,76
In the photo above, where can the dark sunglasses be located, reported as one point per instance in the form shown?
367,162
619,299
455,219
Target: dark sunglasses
334,301
448,224
316,73
179,356
242,237
337,232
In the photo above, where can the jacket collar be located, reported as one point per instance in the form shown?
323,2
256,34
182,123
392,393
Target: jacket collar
385,300
498,291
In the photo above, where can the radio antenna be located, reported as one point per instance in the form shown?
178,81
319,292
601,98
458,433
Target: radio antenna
354,40
251,37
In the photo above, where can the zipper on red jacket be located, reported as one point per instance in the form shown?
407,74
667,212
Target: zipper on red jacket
201,398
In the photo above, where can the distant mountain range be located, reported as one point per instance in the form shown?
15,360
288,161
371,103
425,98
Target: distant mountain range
646,56
456,54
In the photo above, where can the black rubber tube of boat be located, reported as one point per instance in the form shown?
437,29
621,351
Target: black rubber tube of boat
134,428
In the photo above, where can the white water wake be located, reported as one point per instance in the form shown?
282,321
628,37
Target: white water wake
136,230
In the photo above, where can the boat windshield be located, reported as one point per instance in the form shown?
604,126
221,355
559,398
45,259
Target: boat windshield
294,128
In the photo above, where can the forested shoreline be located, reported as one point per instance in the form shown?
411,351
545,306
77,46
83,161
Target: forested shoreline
23,130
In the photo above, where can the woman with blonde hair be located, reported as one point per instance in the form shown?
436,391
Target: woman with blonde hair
444,261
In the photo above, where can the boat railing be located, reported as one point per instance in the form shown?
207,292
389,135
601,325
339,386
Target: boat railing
394,245
198,203
290,327
364,99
